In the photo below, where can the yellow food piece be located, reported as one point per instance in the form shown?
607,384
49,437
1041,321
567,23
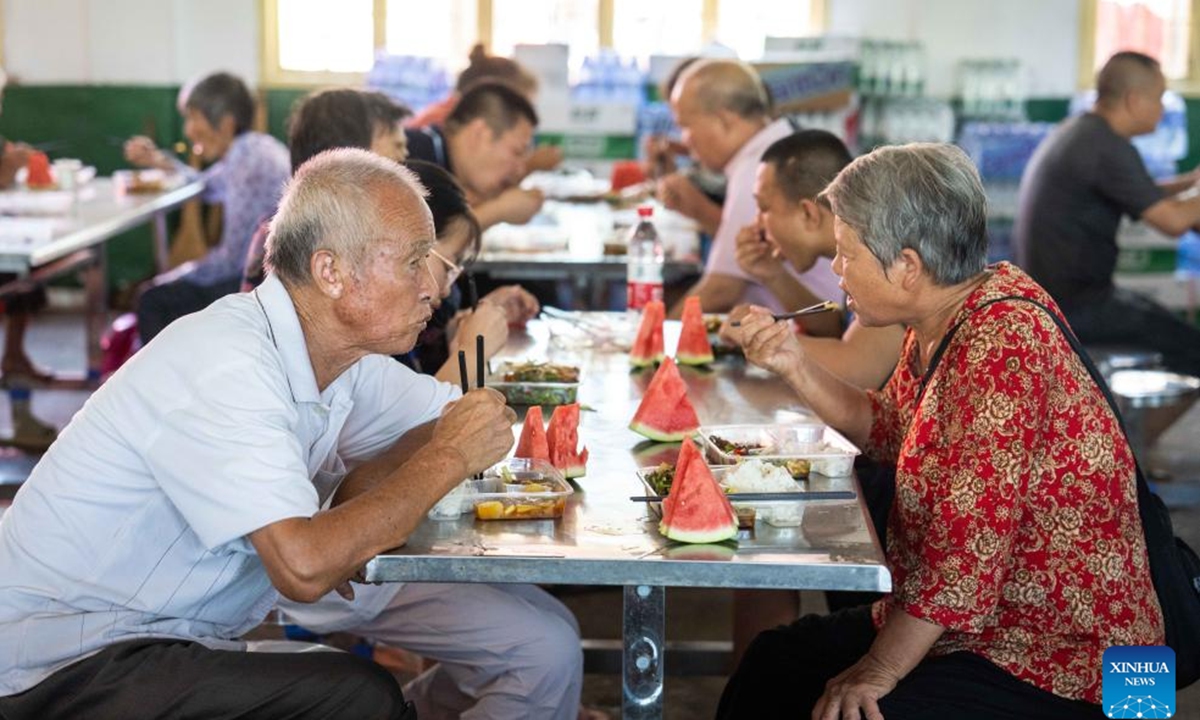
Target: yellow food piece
489,510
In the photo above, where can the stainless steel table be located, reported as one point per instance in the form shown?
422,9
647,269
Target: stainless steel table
78,241
605,539
566,242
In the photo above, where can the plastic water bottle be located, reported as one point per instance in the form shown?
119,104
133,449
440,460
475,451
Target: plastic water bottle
644,275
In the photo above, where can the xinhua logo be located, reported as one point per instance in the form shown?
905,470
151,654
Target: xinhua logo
1139,682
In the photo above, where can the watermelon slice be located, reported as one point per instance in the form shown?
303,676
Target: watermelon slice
696,510
562,437
694,347
688,453
533,443
666,414
648,347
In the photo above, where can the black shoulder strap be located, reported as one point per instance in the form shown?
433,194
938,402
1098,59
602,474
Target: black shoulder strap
1097,378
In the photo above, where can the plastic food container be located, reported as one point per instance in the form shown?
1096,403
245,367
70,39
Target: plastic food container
532,393
519,489
779,514
827,451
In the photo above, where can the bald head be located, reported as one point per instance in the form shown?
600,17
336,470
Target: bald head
1127,72
729,85
345,201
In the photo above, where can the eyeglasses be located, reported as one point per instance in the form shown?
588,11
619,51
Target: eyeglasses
453,270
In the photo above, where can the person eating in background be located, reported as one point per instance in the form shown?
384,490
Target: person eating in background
483,67
1078,184
483,144
1015,544
246,174
722,108
794,227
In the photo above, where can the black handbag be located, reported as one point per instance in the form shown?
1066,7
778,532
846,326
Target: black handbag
1174,565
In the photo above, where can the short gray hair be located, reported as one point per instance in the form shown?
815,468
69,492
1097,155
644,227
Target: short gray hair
333,202
923,196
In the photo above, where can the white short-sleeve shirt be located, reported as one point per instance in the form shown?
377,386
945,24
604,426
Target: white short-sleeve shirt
134,523
740,209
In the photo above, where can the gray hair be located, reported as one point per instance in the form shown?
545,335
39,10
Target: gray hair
333,202
923,196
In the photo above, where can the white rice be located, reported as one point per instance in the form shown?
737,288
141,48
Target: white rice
759,476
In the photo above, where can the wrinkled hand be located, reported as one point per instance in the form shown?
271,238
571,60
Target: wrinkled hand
517,206
141,151
478,427
660,153
488,320
768,343
730,334
680,194
544,157
856,692
519,305
756,255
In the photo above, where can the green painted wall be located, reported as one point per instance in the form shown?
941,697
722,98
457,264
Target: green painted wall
91,122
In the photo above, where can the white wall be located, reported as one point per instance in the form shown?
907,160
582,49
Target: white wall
138,42
1043,34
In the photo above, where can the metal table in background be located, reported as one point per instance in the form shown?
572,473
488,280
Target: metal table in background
606,539
77,243
566,243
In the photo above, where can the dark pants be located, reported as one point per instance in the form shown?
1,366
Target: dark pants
1129,318
163,304
783,675
177,679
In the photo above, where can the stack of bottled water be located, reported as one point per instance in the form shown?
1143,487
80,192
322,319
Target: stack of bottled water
992,89
903,120
891,69
414,81
608,78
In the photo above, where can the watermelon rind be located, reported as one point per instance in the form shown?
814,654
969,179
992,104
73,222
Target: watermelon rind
694,347
659,436
689,359
639,361
711,552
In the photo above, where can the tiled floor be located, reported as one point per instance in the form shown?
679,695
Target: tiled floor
56,340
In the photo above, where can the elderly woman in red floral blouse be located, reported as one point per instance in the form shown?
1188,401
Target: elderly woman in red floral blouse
1015,545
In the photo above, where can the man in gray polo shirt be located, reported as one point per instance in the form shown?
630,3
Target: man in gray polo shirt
1078,184
188,494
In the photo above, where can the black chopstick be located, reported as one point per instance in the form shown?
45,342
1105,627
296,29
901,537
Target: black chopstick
472,291
769,496
824,306
479,361
462,371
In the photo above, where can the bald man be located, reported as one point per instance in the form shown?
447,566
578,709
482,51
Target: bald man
722,108
1080,182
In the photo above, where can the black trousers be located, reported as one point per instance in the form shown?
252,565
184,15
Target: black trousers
162,305
1129,318
145,679
784,672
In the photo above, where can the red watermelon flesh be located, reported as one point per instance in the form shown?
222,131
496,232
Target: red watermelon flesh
666,414
648,347
562,437
688,453
533,443
694,347
699,510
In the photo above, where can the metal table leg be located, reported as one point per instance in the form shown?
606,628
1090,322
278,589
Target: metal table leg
644,626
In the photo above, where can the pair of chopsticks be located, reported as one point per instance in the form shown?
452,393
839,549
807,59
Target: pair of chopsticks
769,496
825,306
479,373
588,326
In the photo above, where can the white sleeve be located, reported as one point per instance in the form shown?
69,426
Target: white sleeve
231,462
389,400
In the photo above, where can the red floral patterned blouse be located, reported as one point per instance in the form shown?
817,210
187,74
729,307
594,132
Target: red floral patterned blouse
1015,524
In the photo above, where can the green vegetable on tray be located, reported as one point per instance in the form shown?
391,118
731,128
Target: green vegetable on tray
541,372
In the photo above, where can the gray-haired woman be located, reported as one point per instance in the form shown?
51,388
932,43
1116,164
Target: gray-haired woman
1015,546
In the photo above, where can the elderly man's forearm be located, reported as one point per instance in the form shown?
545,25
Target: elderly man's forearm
306,558
837,402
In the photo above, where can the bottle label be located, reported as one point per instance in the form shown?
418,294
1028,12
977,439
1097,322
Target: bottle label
638,294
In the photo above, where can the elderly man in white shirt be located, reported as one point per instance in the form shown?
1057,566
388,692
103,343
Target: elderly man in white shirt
723,110
210,476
